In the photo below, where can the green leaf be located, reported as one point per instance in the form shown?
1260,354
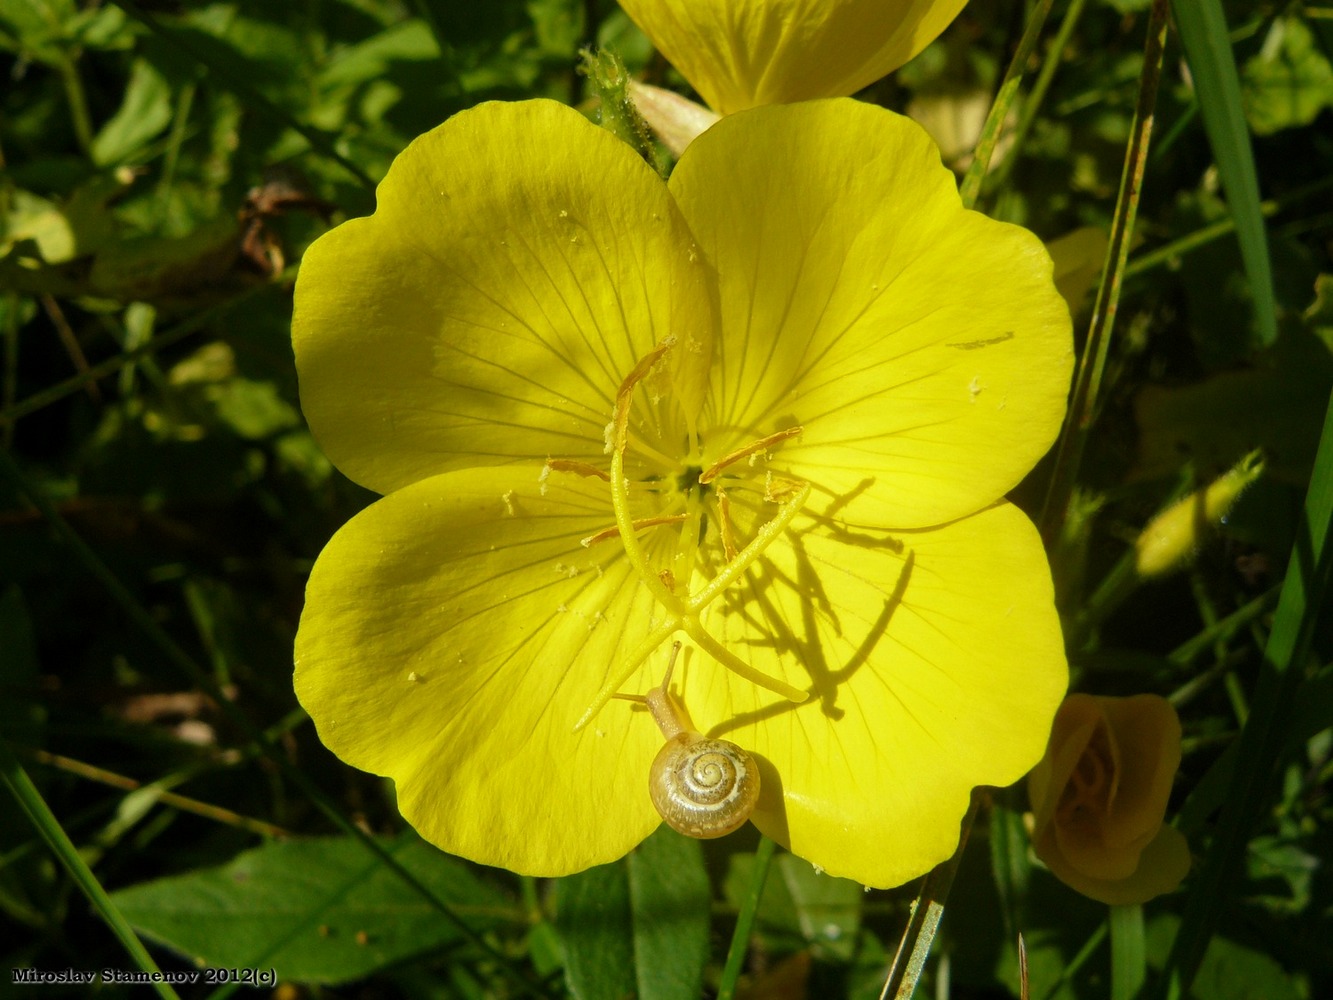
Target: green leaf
143,114
595,922
670,907
320,910
638,927
1283,396
1230,971
409,41
801,907
1207,45
828,909
1289,82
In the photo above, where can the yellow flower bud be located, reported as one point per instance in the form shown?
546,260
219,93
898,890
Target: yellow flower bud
1100,794
1173,536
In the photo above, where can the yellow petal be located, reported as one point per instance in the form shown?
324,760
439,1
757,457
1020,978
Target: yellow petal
924,348
741,53
453,634
520,262
936,664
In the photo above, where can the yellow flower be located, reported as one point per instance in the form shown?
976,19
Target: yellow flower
1099,797
742,53
770,408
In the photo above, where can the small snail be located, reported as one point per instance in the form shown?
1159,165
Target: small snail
703,788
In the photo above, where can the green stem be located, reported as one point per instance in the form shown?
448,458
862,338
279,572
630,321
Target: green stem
78,104
45,823
927,911
1004,99
1039,88
1215,231
54,393
740,938
1129,961
1087,379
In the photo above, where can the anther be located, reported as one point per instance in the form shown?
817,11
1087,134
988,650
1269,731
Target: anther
578,468
753,448
639,525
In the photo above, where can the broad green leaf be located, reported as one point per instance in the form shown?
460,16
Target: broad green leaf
801,907
322,910
409,41
1289,82
1207,45
595,922
151,267
828,908
1283,397
1229,971
670,906
638,927
143,114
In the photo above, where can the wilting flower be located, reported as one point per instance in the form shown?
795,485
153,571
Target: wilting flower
769,408
1099,797
1172,538
742,53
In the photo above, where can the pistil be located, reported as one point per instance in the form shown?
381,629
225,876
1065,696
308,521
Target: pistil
685,614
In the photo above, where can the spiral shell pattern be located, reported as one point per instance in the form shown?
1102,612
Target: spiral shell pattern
703,788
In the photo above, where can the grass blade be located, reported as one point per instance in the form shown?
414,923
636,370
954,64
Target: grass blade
1092,363
1207,46
970,189
45,823
740,939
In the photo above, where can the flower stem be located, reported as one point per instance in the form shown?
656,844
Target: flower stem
1087,379
990,132
1129,964
740,938
927,910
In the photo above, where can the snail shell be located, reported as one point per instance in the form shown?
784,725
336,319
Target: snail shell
703,788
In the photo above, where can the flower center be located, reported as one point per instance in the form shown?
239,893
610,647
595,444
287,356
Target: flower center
704,498
1086,799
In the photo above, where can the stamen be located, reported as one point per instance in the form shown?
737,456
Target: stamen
724,528
763,538
639,524
753,448
578,468
779,488
620,425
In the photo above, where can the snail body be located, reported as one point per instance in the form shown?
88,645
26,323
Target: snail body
702,787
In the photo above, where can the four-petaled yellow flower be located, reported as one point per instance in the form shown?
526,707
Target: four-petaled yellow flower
1099,797
769,409
739,54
